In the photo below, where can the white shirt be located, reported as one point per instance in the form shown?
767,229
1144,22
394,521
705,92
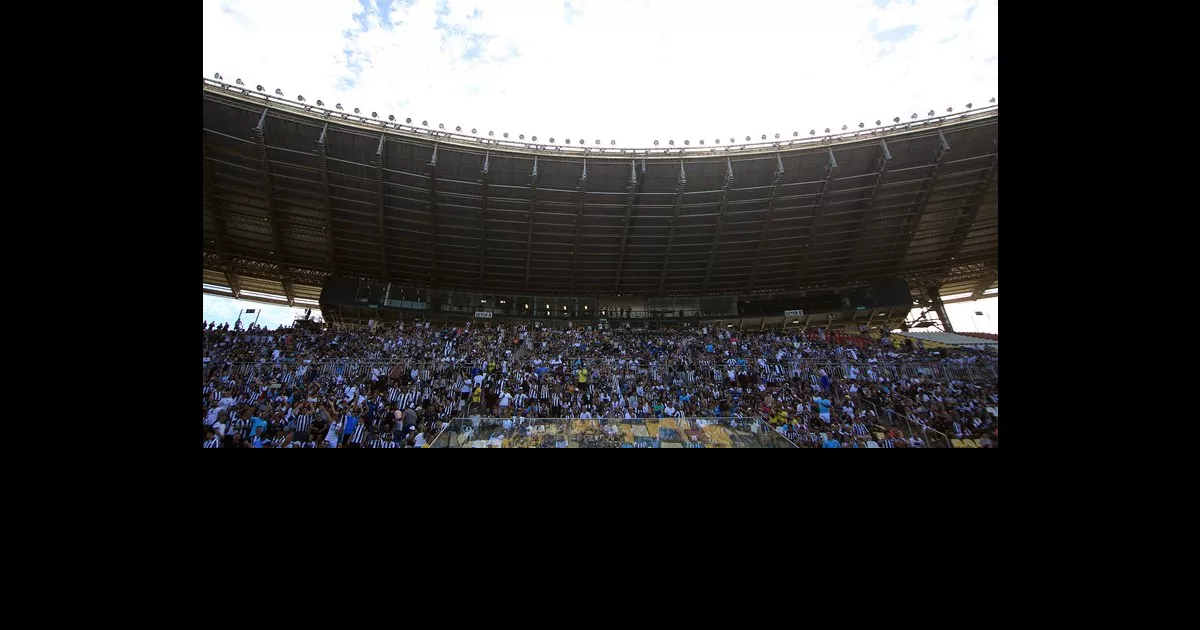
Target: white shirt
219,428
419,441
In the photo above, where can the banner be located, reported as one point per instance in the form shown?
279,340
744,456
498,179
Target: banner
483,314
795,313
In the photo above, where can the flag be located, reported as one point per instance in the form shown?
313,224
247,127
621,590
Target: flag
249,310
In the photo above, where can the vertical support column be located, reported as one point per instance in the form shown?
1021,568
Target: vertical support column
529,220
935,297
632,190
680,186
582,192
712,250
322,155
381,199
433,211
483,181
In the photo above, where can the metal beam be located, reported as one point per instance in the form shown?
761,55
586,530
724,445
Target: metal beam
582,192
288,293
433,202
680,186
935,297
323,157
712,249
762,232
529,219
971,298
381,200
483,182
260,141
984,283
967,216
218,219
884,158
830,173
633,188
926,191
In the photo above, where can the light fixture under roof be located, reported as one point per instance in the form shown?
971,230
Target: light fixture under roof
878,122
671,142
612,142
812,132
320,103
374,114
300,98
521,137
896,119
551,139
492,133
239,82
932,113
534,138
969,105
278,92
441,125
991,101
458,128
827,130
391,118
914,116
843,127
424,123
217,76
259,88
338,106
861,125
949,110
656,143
408,121
747,138
472,131
357,110
764,136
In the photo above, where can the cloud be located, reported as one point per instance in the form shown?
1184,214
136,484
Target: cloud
623,70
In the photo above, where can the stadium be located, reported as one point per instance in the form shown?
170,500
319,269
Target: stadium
481,290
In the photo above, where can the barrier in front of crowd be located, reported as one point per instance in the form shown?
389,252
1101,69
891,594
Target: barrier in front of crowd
841,370
482,432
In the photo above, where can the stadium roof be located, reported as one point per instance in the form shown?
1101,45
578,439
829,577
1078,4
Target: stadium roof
294,191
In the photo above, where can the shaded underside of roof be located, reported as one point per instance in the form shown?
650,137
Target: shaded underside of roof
290,197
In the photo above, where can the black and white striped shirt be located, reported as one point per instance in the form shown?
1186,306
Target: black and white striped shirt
382,443
213,443
360,430
303,421
887,443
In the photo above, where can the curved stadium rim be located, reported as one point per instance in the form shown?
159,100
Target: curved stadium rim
922,126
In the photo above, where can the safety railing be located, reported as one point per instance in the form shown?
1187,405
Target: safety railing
844,370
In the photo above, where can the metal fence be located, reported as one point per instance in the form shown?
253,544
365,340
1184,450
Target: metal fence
841,370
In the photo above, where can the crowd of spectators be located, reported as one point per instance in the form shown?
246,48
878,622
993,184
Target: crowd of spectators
398,386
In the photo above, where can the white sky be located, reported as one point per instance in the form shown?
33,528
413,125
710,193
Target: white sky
627,70
633,71
224,310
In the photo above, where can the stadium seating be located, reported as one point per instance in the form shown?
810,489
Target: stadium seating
396,386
